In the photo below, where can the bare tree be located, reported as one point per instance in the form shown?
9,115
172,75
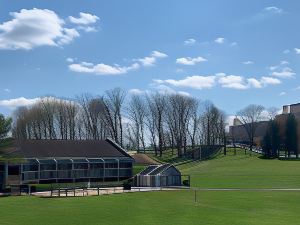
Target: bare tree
156,108
178,114
272,112
5,126
194,123
137,113
114,100
250,116
212,124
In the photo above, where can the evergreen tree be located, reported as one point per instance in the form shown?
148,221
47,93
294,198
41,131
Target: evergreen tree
271,140
275,136
291,135
266,144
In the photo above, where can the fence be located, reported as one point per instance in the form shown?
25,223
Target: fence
204,152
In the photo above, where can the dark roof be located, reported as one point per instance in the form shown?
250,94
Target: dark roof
157,169
148,169
68,148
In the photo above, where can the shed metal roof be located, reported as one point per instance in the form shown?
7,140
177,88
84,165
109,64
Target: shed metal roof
154,170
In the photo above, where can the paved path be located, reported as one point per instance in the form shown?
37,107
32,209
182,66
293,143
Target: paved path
94,191
246,189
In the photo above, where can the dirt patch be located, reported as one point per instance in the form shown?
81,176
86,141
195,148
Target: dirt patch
144,159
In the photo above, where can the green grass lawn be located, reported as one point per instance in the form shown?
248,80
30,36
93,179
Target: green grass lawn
169,156
178,207
169,208
138,168
243,171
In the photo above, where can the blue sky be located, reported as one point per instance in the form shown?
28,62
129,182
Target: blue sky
229,52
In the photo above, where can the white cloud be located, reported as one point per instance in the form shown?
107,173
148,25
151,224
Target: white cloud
282,93
196,81
284,62
102,69
161,88
233,44
248,62
164,89
297,50
16,102
266,13
272,68
189,41
87,28
7,90
158,54
254,83
69,35
33,28
183,93
286,51
190,61
269,80
226,81
158,81
70,60
147,61
220,40
285,72
151,60
136,91
84,19
239,82
232,81
273,9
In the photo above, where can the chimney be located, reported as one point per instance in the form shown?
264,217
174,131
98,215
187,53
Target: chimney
286,109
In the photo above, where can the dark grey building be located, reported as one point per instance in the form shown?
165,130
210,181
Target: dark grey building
62,161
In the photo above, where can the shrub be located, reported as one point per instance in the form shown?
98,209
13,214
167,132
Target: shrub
127,185
186,183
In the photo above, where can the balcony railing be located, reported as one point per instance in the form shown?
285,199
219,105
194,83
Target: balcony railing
76,174
78,169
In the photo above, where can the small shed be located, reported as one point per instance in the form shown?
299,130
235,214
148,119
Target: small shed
158,176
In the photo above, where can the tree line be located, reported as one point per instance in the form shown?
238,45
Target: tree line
158,121
280,133
275,141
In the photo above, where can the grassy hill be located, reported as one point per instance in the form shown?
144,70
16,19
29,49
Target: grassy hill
243,171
